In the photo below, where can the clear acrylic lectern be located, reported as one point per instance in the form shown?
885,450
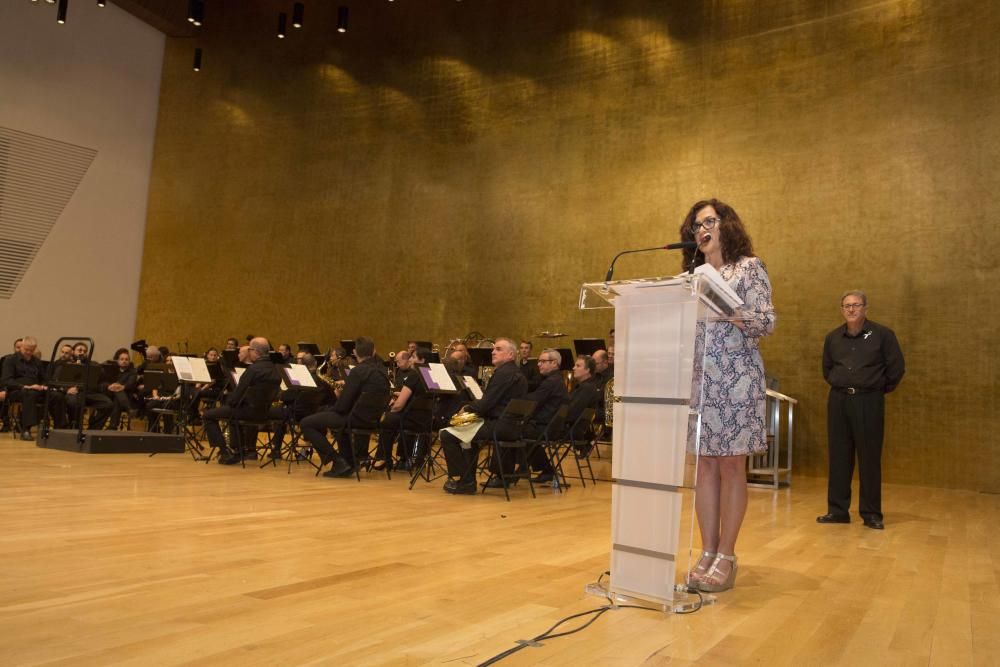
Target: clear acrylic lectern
657,405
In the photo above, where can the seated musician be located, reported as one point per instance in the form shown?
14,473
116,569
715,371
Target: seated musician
411,347
23,375
549,396
506,384
151,355
285,350
209,392
161,399
368,376
586,393
77,399
4,406
392,422
119,391
468,368
294,406
232,344
528,365
447,405
603,374
404,367
261,371
66,353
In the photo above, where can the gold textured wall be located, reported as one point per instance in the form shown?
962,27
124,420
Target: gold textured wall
446,167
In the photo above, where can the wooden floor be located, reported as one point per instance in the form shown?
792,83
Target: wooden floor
125,559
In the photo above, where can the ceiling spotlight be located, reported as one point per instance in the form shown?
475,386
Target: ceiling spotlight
101,3
342,19
282,22
61,12
197,60
298,9
198,13
51,2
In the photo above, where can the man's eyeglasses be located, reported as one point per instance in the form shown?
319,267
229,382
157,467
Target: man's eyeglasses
546,361
707,223
852,306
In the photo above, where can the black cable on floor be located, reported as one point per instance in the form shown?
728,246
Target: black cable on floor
598,612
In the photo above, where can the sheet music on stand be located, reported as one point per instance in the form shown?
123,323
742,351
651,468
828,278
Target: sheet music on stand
473,387
437,379
297,375
192,369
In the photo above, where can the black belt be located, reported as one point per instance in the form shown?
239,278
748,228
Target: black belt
851,391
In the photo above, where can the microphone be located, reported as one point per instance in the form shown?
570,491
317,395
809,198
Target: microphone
672,246
694,255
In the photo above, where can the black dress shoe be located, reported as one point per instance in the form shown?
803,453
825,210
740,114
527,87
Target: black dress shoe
493,483
229,459
833,518
341,468
466,489
874,523
542,478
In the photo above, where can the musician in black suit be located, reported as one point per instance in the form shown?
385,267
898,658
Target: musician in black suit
549,397
603,374
119,390
587,393
24,377
368,376
506,384
261,371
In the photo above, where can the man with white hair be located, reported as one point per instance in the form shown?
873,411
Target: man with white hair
507,383
24,377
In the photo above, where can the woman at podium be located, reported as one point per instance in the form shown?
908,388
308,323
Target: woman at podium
733,392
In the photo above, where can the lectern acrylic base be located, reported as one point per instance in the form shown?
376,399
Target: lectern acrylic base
682,602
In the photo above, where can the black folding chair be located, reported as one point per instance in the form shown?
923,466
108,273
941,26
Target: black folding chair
581,439
511,426
362,424
550,440
417,428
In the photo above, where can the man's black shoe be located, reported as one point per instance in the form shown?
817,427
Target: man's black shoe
229,459
833,518
467,489
542,478
874,523
493,483
341,468
26,435
450,485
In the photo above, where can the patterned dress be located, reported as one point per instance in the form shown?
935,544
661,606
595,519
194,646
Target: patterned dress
732,413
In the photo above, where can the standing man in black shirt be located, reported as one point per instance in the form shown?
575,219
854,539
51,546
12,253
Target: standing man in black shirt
507,383
862,363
